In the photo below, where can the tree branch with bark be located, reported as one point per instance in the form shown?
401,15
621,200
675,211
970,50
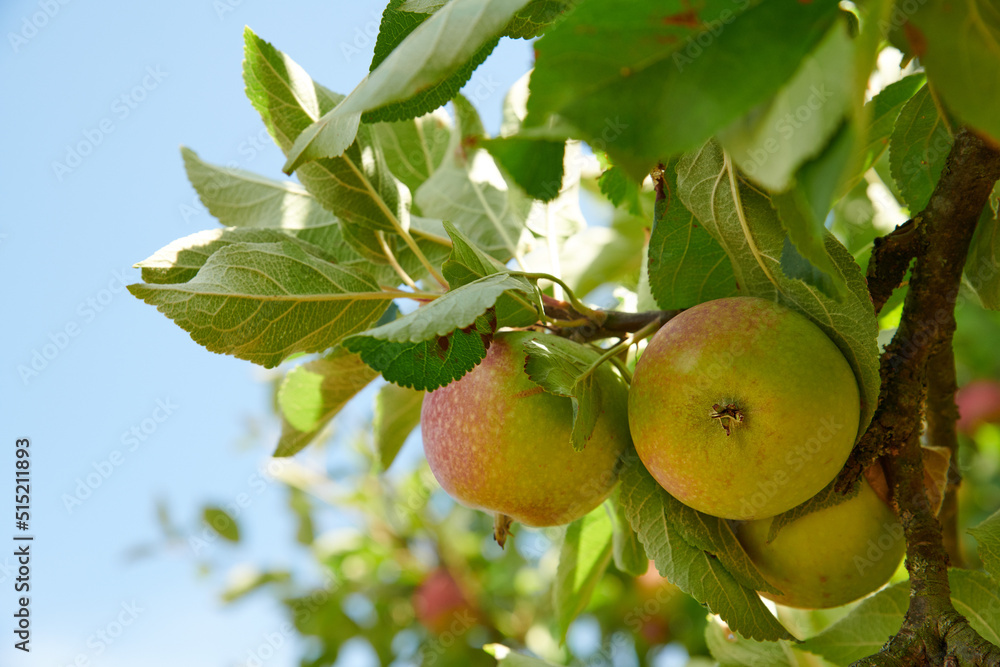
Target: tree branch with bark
918,380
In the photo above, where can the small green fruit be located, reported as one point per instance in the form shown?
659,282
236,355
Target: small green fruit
496,441
830,557
742,408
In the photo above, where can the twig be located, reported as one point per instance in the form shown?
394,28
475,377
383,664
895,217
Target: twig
403,275
609,324
942,413
933,633
890,259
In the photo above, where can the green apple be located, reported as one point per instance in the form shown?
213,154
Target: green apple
742,408
496,441
829,557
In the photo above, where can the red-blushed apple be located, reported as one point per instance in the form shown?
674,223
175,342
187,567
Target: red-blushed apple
496,441
440,605
978,403
742,408
829,557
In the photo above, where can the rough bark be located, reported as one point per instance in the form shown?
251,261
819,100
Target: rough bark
920,356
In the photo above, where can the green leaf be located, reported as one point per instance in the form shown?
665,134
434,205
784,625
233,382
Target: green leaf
536,165
414,149
732,650
803,211
469,191
397,413
357,187
467,263
244,587
363,243
884,109
620,189
982,267
439,342
180,260
536,17
330,136
606,65
714,536
563,368
312,394
862,632
455,309
428,365
629,555
692,569
976,596
771,142
243,199
399,19
427,56
794,265
686,265
959,49
219,521
987,536
509,658
828,497
301,507
919,144
742,220
583,558
264,301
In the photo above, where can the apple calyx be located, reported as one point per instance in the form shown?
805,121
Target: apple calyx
729,416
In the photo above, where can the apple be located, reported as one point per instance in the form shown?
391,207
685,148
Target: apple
978,403
742,408
496,441
441,606
829,557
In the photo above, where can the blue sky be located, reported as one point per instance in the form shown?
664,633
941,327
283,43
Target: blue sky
99,98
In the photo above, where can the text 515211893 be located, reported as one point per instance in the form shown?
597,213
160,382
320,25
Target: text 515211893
22,543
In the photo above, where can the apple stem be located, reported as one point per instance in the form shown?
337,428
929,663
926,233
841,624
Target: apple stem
501,528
